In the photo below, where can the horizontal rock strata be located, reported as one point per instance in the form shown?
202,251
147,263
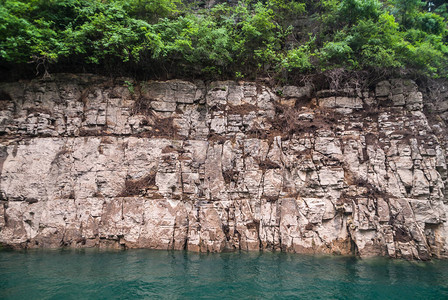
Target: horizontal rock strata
88,161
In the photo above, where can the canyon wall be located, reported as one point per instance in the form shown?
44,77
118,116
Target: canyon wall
88,161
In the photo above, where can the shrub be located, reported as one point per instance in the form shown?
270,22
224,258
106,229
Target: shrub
297,59
246,38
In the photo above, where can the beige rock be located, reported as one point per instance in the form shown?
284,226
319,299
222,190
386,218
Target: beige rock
81,165
341,102
297,92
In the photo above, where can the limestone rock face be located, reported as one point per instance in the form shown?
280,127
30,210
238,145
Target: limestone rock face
87,161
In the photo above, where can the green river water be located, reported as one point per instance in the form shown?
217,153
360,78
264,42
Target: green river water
149,274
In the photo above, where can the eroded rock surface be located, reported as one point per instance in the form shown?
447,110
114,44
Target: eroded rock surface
91,162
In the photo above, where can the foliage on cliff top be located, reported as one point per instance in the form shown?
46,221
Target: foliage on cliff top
247,38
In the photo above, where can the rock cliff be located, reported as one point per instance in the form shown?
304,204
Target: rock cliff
88,161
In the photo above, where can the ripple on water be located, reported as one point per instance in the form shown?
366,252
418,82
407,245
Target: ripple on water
94,274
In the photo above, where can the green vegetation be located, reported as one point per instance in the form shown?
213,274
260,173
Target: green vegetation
242,40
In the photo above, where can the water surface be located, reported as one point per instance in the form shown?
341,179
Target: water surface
94,274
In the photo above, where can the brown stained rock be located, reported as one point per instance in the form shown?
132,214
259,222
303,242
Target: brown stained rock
134,187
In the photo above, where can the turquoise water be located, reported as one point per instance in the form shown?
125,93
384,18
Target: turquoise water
93,274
